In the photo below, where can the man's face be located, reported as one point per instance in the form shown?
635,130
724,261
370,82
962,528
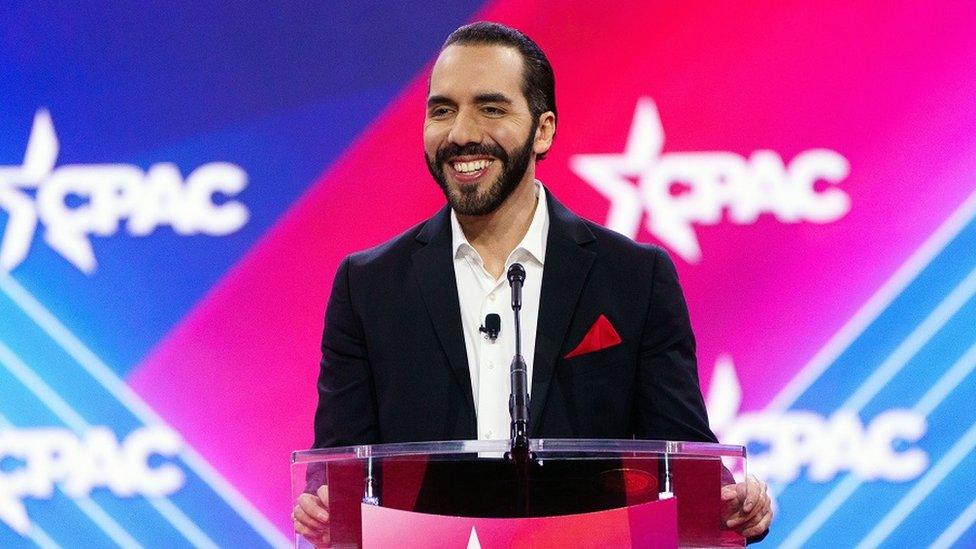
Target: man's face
479,136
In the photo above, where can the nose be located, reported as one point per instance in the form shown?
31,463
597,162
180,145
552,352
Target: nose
465,129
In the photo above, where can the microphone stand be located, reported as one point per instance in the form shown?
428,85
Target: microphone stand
518,400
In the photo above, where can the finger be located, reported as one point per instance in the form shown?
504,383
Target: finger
759,527
311,535
749,522
302,517
764,518
737,520
730,507
741,517
762,508
733,496
762,499
761,505
323,494
752,493
318,538
314,507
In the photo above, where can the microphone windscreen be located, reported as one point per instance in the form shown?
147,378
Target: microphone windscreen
516,272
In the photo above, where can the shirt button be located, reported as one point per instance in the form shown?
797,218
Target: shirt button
491,297
491,365
488,435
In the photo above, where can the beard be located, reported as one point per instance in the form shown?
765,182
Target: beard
467,200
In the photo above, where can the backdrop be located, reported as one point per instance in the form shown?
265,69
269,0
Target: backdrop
178,186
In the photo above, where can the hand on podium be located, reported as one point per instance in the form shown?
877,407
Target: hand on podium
311,517
748,509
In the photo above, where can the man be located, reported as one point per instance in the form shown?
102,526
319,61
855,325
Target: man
404,358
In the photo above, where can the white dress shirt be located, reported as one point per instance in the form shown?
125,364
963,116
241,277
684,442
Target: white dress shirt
480,294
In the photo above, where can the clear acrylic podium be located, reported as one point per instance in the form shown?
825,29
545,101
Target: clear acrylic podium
572,493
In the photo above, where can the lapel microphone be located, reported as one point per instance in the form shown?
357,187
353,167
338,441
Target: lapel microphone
491,327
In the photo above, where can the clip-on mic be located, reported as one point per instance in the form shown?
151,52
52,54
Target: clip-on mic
491,327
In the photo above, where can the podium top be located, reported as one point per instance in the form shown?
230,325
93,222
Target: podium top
542,448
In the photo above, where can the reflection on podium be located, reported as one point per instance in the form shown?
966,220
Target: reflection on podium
571,493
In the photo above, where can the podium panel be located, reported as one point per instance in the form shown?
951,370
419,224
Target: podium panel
651,524
580,493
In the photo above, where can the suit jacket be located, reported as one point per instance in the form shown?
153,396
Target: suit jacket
394,367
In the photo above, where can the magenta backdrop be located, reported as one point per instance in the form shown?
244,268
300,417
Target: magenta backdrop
885,89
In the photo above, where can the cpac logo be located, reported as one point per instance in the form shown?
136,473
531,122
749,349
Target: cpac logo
797,440
45,457
681,189
75,201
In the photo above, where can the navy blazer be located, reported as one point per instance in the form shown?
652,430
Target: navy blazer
394,367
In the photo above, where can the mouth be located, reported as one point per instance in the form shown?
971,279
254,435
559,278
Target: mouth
470,170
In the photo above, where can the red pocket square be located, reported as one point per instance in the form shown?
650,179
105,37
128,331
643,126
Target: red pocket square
600,336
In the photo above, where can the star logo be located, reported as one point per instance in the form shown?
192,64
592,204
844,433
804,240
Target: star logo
473,541
39,158
679,190
785,444
78,463
75,202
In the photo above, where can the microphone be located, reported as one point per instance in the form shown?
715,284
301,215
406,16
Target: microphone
516,276
491,327
518,400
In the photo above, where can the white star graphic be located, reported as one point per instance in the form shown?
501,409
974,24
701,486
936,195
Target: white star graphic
679,190
473,541
611,175
39,158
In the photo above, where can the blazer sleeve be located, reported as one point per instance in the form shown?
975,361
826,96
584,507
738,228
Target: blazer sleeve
346,412
668,402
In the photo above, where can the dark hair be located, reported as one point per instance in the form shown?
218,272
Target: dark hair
538,81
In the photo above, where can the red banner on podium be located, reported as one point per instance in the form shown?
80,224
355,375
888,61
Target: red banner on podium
651,524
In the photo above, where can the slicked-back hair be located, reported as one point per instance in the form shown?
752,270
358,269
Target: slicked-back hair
538,81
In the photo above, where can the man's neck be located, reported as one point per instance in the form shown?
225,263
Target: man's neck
495,235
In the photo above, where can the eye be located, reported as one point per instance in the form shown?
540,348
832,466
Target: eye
439,112
492,110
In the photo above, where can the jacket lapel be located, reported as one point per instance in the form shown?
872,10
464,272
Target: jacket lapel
567,264
433,269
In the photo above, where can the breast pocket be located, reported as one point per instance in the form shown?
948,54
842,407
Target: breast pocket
610,361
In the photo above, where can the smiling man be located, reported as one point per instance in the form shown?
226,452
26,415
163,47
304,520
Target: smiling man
404,356
482,137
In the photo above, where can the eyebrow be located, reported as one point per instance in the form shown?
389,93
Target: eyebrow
490,97
495,97
438,100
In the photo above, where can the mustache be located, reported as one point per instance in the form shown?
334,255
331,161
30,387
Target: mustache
487,149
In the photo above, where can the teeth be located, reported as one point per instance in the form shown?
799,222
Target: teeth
470,167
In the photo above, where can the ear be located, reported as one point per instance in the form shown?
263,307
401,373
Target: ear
544,133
